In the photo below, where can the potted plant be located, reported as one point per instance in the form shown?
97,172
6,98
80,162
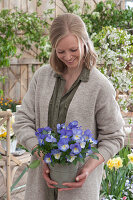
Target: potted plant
65,149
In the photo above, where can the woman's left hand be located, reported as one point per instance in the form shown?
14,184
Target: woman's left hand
89,166
80,179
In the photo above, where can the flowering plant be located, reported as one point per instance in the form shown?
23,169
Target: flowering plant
117,182
7,103
68,145
3,130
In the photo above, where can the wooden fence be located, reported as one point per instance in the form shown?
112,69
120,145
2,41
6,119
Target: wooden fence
18,76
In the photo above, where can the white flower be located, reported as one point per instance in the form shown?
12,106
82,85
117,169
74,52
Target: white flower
128,130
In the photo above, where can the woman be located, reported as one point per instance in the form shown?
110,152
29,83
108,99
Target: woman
71,88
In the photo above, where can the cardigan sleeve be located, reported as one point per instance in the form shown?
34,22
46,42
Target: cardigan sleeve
109,122
24,126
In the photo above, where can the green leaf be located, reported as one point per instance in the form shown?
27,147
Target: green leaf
0,156
94,156
34,164
18,179
95,150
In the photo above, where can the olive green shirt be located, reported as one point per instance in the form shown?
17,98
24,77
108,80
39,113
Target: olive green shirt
59,103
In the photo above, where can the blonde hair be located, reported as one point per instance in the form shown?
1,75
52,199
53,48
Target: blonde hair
61,27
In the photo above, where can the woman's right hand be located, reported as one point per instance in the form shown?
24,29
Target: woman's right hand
46,171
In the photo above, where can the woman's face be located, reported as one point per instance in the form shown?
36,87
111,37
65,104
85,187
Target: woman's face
68,51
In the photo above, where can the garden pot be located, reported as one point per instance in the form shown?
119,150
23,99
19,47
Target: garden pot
13,144
63,173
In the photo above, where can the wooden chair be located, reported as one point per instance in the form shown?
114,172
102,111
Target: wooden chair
9,161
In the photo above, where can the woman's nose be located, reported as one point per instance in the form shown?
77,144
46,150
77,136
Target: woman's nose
68,56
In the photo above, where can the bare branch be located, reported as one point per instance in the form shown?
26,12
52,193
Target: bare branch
95,2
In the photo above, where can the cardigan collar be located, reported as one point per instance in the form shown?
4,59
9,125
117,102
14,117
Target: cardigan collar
84,76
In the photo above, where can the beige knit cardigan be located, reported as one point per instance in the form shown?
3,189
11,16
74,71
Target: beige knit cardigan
93,106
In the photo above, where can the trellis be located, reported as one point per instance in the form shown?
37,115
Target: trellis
9,161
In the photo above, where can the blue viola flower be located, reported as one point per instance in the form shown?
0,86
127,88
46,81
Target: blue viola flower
47,129
56,153
60,126
89,147
66,134
47,158
40,141
93,141
76,148
50,138
37,134
42,136
63,144
87,135
73,124
72,158
63,131
69,133
40,130
81,142
77,134
89,152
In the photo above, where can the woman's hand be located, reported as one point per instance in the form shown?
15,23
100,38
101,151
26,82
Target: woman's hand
46,171
50,183
80,179
90,165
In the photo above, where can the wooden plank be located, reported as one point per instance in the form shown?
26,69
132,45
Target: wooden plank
1,4
44,6
14,82
6,4
30,73
59,8
6,85
32,5
24,61
24,5
14,4
24,80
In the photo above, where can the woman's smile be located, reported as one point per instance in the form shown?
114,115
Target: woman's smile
69,51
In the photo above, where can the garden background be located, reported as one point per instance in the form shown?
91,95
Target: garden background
24,47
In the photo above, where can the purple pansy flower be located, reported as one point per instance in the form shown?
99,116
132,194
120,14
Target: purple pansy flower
77,134
60,127
40,141
76,148
93,141
87,135
71,158
47,129
56,153
50,138
47,158
63,144
73,124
